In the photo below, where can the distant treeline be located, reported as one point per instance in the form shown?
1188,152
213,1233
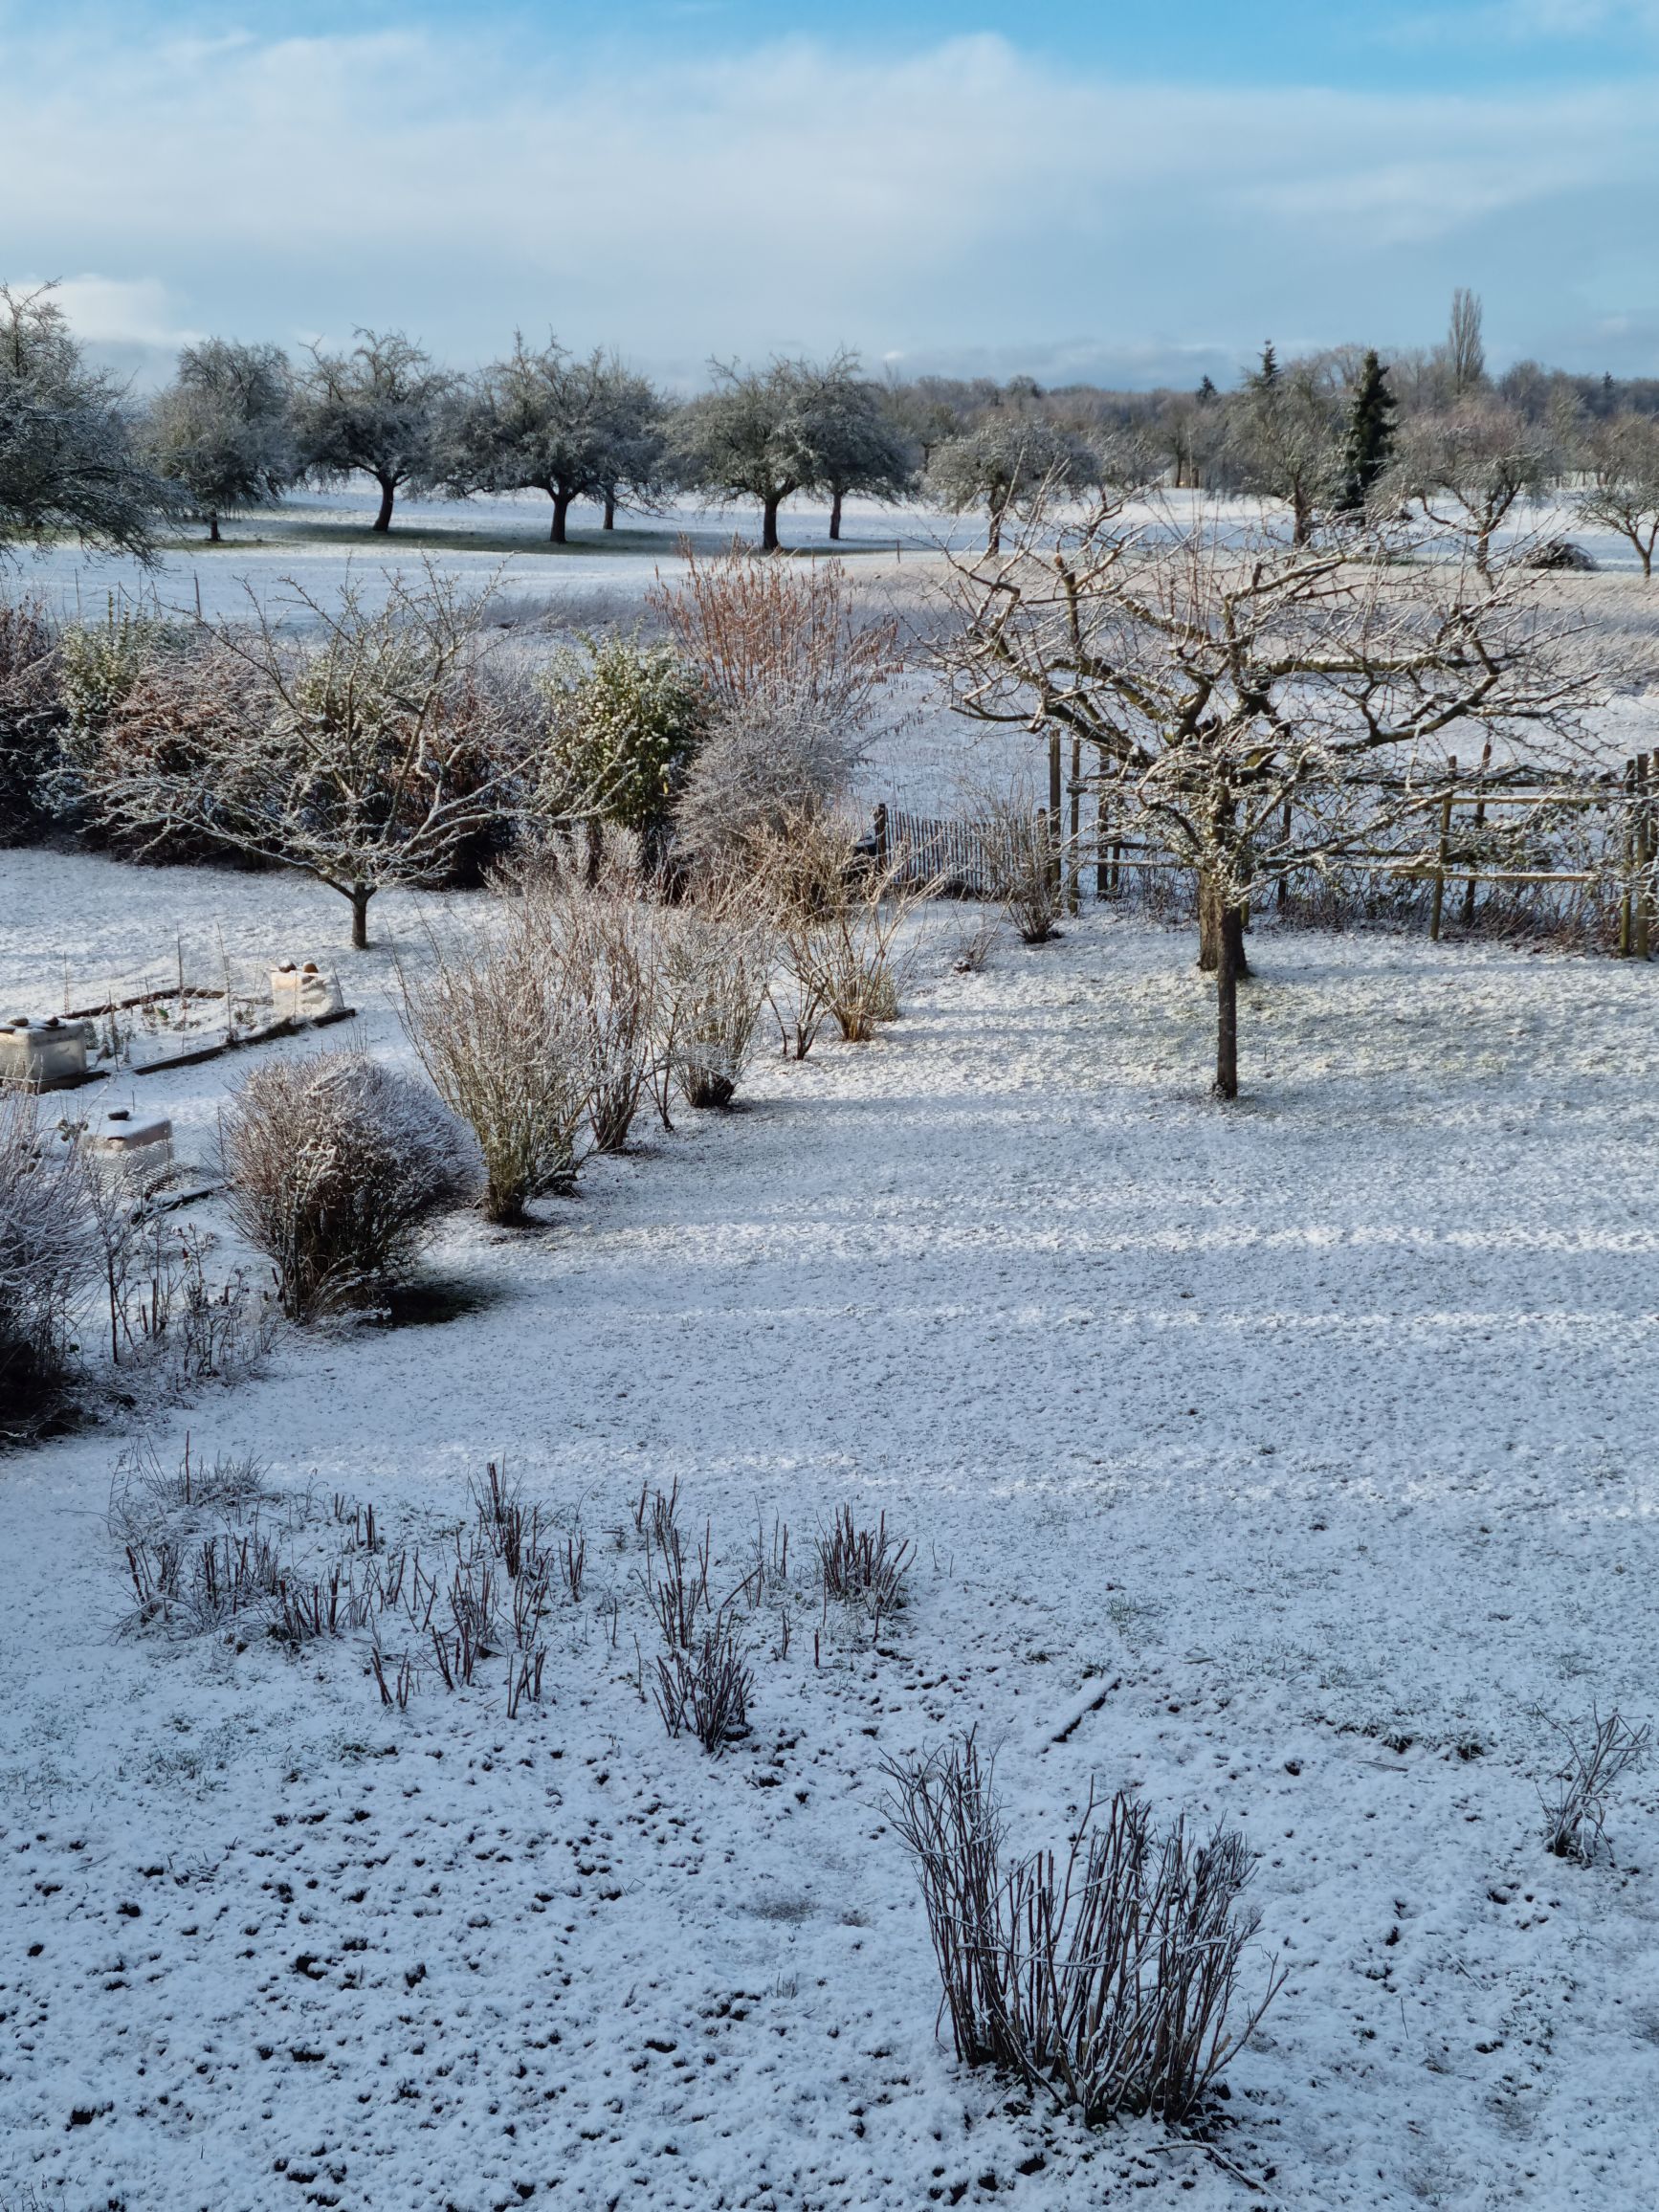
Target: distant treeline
1340,434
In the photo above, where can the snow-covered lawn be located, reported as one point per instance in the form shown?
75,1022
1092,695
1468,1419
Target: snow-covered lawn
1278,1461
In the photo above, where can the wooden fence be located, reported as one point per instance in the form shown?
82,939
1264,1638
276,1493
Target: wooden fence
960,854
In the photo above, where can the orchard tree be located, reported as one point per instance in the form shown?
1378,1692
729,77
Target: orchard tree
375,747
751,437
1469,469
1007,465
374,411
1286,437
542,420
68,458
857,447
223,431
1623,494
1237,698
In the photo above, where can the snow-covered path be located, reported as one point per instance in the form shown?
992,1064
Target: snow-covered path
1277,1461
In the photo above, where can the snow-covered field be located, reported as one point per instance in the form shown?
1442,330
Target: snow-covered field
1289,1463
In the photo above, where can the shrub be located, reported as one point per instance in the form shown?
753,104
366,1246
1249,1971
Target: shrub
624,722
864,1567
716,965
336,1167
768,762
839,913
50,1257
1024,868
31,716
605,941
706,1688
505,1051
1107,1977
760,632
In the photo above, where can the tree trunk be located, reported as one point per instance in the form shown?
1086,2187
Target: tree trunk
213,538
835,516
769,524
994,538
609,509
1231,967
1211,918
360,896
387,492
1647,553
561,509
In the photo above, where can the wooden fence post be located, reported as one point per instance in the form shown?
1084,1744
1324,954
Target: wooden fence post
1102,820
1073,845
881,834
1438,900
1479,818
1644,856
1283,891
1627,917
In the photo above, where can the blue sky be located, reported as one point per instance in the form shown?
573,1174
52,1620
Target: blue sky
1095,188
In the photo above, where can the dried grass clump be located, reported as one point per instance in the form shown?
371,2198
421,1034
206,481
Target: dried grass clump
51,1256
506,1051
336,1168
1107,1977
1597,1755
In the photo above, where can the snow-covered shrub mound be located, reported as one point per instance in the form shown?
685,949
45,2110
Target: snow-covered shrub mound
336,1168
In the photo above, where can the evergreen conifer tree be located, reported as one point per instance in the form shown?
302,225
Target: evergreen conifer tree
1370,437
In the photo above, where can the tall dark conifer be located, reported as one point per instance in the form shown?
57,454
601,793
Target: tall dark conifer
1370,439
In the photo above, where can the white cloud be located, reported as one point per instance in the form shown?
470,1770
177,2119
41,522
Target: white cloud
962,197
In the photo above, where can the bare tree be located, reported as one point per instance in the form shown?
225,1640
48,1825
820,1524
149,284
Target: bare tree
1623,490
749,438
1465,345
374,749
1470,467
1285,434
546,421
69,460
49,1254
1241,698
374,411
223,429
1007,465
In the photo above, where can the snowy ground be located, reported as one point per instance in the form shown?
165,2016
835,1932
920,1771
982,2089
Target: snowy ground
1277,1461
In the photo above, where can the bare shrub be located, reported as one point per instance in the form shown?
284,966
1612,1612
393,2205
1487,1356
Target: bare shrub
767,761
863,1565
169,1320
506,1052
717,959
612,958
1107,1977
706,1688
974,946
32,714
1024,865
1597,1755
336,1168
838,912
756,629
48,1257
